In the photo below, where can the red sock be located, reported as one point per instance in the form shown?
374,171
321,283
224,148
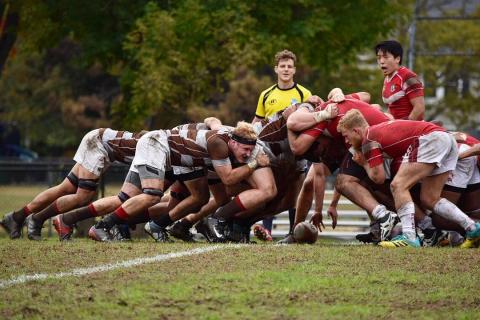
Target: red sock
121,214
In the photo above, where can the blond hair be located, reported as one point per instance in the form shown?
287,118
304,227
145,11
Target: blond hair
245,130
285,54
352,119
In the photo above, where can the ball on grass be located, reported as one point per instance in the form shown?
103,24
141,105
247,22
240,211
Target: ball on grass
305,232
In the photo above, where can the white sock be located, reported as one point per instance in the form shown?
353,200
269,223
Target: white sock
406,213
379,212
426,223
449,211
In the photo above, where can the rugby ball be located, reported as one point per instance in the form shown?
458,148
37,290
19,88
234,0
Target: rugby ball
305,232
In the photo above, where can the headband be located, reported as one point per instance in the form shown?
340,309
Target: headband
242,140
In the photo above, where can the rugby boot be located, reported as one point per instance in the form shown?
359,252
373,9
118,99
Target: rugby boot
400,241
373,236
120,233
181,231
34,228
435,238
289,239
262,233
13,228
201,228
217,228
64,230
156,232
472,238
387,223
100,232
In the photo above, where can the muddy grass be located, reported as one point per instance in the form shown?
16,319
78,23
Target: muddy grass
256,281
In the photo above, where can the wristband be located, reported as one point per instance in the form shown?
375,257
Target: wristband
319,116
252,164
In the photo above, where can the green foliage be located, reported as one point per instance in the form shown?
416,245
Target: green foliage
175,60
456,74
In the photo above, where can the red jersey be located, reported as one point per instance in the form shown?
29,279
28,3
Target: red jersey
393,138
329,127
398,90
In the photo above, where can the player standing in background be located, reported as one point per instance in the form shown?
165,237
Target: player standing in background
402,90
276,98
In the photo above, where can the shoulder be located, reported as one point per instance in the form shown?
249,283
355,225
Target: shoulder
305,91
271,88
406,73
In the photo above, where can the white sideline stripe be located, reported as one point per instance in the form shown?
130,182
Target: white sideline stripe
111,266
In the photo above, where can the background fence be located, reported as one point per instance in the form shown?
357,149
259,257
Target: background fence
49,172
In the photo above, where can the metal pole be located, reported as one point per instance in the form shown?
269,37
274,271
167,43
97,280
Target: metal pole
411,35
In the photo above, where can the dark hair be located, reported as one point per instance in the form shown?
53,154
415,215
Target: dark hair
391,46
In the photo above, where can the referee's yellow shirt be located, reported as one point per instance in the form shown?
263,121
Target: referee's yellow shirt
275,99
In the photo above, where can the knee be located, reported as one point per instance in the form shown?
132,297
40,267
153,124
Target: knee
341,182
270,192
395,187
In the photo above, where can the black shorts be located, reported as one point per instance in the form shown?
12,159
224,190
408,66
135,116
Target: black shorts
351,168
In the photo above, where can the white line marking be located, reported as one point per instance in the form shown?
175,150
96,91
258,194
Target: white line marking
111,266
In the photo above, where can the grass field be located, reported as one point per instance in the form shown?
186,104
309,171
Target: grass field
328,280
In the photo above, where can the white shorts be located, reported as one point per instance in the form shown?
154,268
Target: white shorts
153,153
464,171
91,154
438,147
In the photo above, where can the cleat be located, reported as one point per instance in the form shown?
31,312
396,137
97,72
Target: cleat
158,234
181,231
238,234
64,230
100,232
34,228
217,229
201,228
367,238
289,239
470,243
262,233
472,238
435,238
455,239
400,241
13,228
120,233
386,225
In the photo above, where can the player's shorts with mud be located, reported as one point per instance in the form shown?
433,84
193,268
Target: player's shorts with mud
91,154
438,147
152,156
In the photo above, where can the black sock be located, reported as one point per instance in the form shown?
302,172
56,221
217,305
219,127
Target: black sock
20,215
79,214
230,209
163,221
48,212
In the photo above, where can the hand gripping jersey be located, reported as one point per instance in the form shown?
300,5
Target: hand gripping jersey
329,127
398,90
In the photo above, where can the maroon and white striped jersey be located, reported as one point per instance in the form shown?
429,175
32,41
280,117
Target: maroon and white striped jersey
120,145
